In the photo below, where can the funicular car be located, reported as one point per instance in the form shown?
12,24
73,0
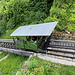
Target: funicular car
33,37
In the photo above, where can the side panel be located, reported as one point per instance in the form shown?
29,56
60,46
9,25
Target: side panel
23,43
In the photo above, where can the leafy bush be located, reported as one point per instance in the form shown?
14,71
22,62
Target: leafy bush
2,26
11,23
32,65
63,12
22,12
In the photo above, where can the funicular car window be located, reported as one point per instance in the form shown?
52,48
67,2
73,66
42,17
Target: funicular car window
19,39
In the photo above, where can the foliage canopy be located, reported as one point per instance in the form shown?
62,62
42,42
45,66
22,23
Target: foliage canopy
15,13
23,12
64,12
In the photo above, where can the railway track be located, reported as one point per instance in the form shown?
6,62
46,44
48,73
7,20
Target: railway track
56,49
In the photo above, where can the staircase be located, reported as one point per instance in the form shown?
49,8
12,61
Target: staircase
62,49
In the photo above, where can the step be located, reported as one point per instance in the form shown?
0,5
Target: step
65,61
61,54
56,57
62,47
61,50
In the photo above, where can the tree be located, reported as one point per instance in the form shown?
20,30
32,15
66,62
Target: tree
64,12
2,26
23,12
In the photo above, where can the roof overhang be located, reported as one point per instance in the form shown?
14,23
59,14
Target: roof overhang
44,29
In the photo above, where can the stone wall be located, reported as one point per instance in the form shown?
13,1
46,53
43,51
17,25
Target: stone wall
63,36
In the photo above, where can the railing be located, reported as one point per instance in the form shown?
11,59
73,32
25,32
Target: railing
7,44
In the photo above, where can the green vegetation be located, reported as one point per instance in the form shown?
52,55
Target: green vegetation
15,13
12,64
64,12
37,66
7,34
3,54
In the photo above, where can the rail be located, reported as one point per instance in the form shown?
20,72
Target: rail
58,48
66,44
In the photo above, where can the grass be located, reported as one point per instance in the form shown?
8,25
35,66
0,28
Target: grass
37,66
3,54
12,64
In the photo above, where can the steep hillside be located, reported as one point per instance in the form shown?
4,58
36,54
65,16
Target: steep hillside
22,12
15,13
64,12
